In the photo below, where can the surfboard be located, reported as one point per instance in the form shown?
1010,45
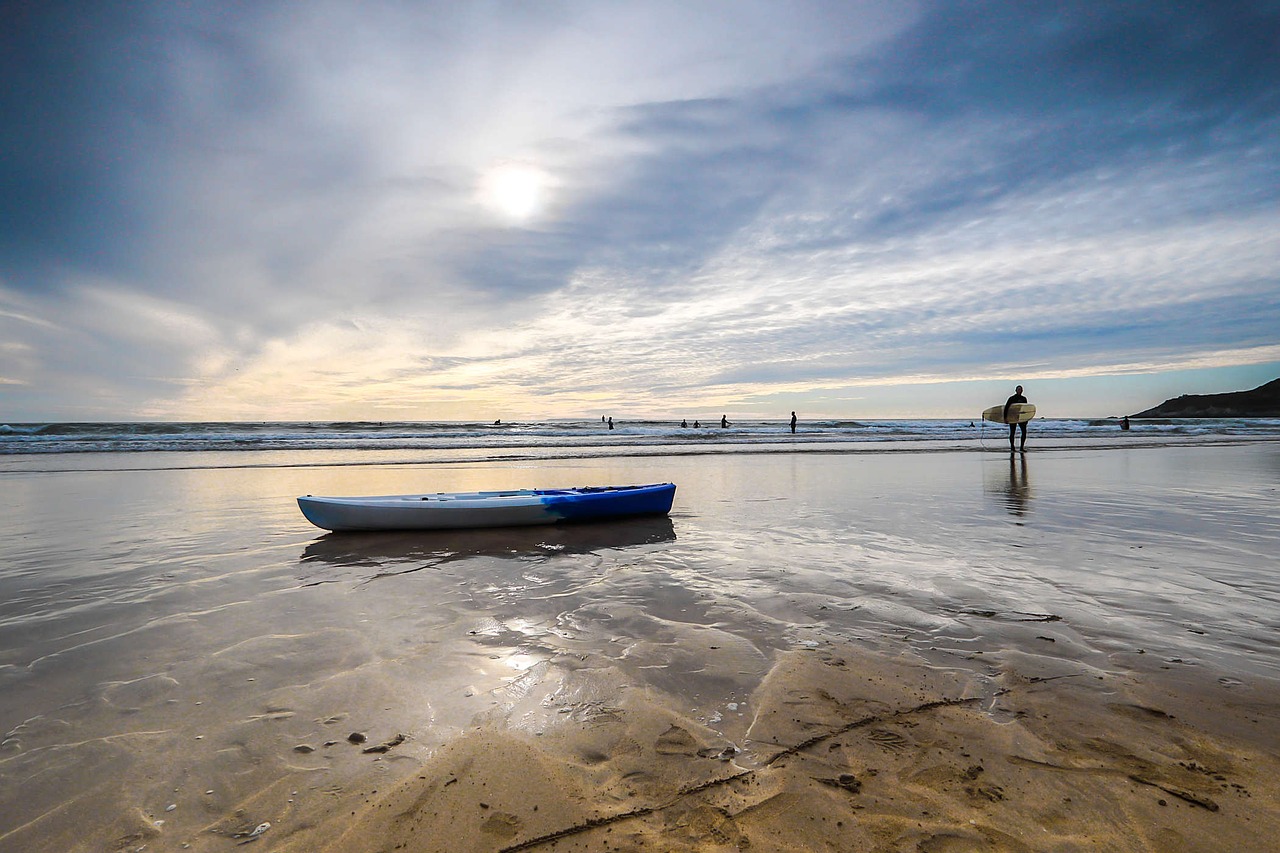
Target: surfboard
1018,413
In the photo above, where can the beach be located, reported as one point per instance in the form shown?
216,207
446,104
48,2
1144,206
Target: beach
913,648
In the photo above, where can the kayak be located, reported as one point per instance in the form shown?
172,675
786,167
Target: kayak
511,508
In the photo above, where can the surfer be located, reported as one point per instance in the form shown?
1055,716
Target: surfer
611,426
793,423
684,423
724,422
1016,398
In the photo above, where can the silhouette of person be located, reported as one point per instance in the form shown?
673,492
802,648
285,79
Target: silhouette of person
793,423
724,422
1016,398
610,423
1124,424
696,425
684,424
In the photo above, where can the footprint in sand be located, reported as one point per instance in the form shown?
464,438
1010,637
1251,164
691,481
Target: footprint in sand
892,741
501,824
955,843
676,741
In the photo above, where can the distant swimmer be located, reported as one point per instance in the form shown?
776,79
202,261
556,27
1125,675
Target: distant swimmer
724,422
610,423
1124,424
697,425
495,423
684,424
1016,398
793,423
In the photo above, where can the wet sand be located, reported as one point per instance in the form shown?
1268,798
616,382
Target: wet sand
849,752
934,652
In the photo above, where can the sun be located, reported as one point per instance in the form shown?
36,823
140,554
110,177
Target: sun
516,191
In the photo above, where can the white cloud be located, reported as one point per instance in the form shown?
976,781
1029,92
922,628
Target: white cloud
719,203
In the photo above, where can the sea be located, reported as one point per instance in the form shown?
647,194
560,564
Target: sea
394,442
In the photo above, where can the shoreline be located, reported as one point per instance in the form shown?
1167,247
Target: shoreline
23,463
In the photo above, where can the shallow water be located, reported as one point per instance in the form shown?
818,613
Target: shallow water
168,632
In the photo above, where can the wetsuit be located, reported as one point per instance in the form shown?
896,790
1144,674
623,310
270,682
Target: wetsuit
1016,398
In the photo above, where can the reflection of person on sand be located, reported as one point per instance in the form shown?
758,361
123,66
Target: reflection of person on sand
1018,494
1016,398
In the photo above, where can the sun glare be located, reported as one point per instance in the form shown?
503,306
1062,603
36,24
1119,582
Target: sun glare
515,191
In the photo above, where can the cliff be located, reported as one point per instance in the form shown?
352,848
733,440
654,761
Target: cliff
1261,402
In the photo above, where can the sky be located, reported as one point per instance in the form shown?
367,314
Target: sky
469,211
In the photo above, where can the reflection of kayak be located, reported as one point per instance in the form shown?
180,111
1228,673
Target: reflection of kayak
1018,413
514,507
354,557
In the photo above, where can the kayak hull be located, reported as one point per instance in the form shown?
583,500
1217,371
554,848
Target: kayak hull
510,508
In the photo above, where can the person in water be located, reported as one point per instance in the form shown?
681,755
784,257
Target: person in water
684,424
697,425
1124,424
1016,398
793,423
611,424
724,422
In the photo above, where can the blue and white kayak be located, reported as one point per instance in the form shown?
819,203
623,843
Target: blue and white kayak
515,507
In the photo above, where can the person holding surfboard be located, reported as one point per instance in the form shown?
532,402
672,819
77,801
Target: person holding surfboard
1016,398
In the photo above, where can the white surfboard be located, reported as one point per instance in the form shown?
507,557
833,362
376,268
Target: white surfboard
1019,413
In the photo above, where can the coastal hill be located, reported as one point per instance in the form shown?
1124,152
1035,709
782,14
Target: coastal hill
1261,402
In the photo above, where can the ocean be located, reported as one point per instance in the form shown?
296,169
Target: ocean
470,441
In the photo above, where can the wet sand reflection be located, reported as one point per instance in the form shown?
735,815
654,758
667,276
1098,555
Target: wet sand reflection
1012,488
334,556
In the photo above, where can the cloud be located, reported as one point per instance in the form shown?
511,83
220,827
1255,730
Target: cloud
207,205
1009,97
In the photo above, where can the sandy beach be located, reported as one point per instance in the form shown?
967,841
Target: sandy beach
1075,649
